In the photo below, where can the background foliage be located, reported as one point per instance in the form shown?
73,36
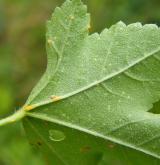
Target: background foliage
23,56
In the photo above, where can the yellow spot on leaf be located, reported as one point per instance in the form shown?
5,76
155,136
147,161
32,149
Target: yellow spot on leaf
50,41
71,17
29,107
55,98
89,27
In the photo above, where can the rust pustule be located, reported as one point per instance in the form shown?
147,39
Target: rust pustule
29,107
85,149
55,98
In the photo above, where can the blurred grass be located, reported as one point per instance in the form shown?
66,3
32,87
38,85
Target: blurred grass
23,56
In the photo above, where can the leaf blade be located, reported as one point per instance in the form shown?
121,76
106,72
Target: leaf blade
103,80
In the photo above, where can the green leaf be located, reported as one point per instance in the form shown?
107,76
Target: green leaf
97,89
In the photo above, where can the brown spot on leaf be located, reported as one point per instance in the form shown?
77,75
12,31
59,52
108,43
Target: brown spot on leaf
39,143
85,149
46,123
32,144
111,145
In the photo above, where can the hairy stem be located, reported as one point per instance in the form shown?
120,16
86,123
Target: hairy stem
13,118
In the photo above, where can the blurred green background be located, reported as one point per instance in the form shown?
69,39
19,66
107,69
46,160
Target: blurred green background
23,57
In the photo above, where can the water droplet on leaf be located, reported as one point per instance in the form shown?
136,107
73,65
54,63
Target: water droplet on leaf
56,135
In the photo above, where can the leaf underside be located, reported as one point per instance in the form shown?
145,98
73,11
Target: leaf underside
106,84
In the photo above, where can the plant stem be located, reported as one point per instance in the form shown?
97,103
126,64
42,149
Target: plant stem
13,118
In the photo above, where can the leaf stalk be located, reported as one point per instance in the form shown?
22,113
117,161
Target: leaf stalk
13,118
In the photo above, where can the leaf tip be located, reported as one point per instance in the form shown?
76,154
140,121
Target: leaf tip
121,23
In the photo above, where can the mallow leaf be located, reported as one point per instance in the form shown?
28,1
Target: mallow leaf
92,106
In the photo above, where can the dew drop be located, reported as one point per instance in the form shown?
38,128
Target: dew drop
56,135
